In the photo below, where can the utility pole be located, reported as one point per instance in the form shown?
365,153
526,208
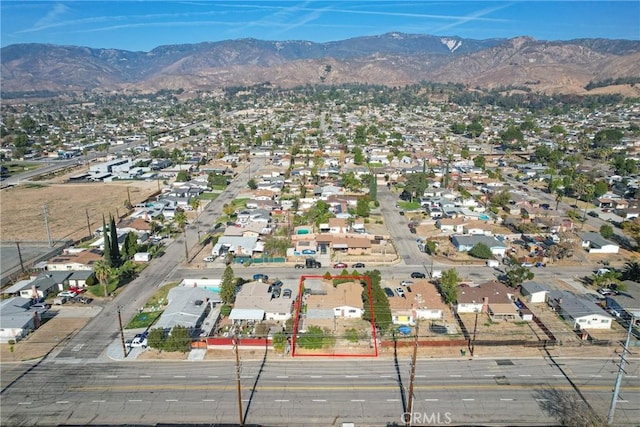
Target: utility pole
475,329
623,361
86,211
236,342
20,257
46,224
124,346
412,377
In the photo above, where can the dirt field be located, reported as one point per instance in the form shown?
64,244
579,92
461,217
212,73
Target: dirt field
22,208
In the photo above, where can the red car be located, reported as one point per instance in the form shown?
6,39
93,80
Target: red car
340,265
77,291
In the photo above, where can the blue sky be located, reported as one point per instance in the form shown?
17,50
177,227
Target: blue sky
143,25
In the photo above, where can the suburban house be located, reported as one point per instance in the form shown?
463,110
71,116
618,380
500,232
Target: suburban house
239,246
187,307
17,319
344,300
581,312
625,305
465,243
422,303
492,298
594,243
534,292
40,287
73,259
451,225
255,302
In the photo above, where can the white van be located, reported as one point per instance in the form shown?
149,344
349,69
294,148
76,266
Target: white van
493,263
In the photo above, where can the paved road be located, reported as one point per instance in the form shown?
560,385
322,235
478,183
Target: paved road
277,392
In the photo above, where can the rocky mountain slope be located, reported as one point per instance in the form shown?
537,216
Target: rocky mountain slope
391,59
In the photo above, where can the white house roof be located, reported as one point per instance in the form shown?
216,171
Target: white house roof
186,307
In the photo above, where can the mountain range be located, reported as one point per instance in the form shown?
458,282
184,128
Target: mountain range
392,59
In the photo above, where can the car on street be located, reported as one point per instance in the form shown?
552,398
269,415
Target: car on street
406,283
261,277
358,265
389,292
209,258
400,292
66,294
340,265
418,275
286,293
593,214
608,292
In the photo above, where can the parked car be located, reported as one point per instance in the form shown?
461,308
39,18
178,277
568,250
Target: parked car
275,293
85,300
406,283
275,285
608,292
418,275
340,265
261,277
76,291
400,292
593,214
389,292
286,293
358,265
139,341
210,258
308,252
412,230
60,300
66,294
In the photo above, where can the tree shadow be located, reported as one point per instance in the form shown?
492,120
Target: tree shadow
255,383
567,407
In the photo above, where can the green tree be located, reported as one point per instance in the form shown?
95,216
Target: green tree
512,136
517,274
606,231
631,271
227,286
182,176
180,218
449,282
632,228
373,187
458,128
479,161
115,246
600,188
480,250
362,207
358,156
431,247
313,338
475,129
279,341
130,246
155,339
106,244
178,340
194,202
252,184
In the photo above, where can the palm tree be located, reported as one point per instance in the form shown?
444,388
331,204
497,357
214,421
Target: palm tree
103,273
631,271
195,204
559,196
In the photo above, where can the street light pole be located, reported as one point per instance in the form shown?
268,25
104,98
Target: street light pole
412,377
238,369
124,346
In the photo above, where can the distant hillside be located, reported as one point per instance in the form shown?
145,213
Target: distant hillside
389,59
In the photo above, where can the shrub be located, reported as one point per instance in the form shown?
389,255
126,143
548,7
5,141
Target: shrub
480,250
225,310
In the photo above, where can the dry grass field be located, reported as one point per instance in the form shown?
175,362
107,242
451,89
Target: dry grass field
22,208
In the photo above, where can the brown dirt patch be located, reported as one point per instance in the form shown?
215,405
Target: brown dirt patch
153,354
43,339
22,208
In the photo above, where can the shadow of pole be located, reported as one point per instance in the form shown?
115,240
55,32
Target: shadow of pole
403,395
255,383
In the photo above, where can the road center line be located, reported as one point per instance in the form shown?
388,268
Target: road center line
281,400
431,400
171,400
208,400
357,400
24,403
97,401
468,400
506,400
524,375
282,376
318,400
145,376
135,400
351,376
315,376
179,376
62,401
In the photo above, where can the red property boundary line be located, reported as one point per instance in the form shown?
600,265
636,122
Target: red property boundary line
298,307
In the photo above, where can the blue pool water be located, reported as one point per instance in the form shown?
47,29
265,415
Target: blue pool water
212,289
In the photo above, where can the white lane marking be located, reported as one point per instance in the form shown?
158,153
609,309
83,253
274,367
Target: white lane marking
455,375
632,376
246,376
318,400
468,400
596,376
179,376
134,400
622,401
25,403
212,376
393,400
281,400
420,376
542,400
208,400
506,400
97,401
558,375
282,376
171,400
351,376
315,376
389,376
77,347
111,376
431,400
357,400
145,376
524,375
62,401
489,375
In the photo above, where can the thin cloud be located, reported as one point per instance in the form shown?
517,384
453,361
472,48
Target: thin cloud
476,16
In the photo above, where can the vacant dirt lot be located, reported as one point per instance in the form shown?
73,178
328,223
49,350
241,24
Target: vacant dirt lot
22,208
